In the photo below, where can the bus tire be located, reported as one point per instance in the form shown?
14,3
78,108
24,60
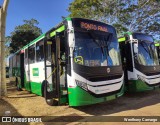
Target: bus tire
16,81
42,88
49,101
17,85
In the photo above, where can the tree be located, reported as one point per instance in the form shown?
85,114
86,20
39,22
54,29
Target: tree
124,15
3,14
7,47
23,34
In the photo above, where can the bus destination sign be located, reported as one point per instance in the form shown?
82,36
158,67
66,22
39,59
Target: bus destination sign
91,26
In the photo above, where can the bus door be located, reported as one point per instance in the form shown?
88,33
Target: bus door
61,76
55,72
22,68
50,69
158,51
27,70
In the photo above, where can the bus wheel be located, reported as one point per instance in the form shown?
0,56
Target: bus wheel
48,97
17,85
51,102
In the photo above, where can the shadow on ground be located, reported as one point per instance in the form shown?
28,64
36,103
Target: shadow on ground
6,109
12,92
127,102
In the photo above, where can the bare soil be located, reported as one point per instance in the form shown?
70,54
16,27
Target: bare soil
23,103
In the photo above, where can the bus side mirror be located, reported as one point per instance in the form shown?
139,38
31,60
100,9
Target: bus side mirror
135,47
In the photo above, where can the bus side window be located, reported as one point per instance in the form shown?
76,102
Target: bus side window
18,60
18,65
10,66
31,54
39,51
26,57
48,52
14,65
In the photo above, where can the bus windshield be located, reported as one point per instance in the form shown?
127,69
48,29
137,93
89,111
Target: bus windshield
147,53
96,48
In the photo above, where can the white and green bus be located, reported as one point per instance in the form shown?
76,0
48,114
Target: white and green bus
140,62
76,63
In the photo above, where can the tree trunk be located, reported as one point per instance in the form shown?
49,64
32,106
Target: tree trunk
3,13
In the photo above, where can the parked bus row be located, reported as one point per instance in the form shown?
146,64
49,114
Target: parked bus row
140,62
82,62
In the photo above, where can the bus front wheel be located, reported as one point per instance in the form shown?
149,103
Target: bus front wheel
51,102
47,95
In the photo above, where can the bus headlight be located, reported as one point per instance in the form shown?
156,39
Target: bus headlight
82,84
141,78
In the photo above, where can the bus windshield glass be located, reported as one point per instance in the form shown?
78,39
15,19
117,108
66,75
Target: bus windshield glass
96,48
147,53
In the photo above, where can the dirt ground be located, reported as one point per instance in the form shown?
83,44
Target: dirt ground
23,103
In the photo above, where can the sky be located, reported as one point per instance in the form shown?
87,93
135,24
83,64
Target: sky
47,12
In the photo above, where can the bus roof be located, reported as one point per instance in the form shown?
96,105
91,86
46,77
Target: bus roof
31,43
42,36
130,33
34,41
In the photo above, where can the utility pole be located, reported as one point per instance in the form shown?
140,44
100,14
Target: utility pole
3,14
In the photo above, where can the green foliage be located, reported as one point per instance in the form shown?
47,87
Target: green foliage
23,34
125,15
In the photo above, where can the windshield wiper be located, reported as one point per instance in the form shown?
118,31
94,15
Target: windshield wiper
102,44
142,43
153,50
108,41
94,39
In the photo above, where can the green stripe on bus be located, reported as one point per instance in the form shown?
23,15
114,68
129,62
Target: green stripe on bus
139,86
68,19
121,39
78,97
157,44
129,33
34,41
62,28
